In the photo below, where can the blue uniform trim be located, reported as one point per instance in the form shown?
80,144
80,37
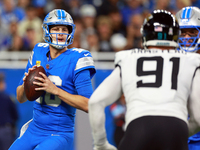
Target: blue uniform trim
186,14
189,13
63,14
183,13
59,14
83,83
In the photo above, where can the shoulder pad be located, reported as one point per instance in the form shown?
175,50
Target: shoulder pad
79,50
84,60
40,46
119,56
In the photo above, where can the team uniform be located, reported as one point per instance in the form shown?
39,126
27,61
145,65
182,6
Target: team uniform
188,18
53,121
156,84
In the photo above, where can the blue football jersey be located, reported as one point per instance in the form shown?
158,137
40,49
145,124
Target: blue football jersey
194,142
50,112
195,137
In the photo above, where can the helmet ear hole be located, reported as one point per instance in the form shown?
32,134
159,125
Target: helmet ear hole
70,29
50,27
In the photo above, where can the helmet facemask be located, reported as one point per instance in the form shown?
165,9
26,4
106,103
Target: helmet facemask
190,43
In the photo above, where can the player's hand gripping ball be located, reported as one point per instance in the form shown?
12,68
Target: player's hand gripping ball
29,87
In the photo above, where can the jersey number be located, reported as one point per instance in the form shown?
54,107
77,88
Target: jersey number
158,72
51,100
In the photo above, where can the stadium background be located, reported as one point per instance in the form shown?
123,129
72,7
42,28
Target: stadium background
15,47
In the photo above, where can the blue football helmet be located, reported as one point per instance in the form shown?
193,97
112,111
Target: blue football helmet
189,22
58,17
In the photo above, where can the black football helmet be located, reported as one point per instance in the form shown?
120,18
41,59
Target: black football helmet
160,28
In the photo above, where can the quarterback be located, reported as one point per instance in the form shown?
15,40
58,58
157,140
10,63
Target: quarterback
67,86
161,86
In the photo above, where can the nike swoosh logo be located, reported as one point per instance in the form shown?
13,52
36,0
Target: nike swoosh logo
86,54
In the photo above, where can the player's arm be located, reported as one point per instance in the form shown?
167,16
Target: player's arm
21,97
194,105
83,86
107,93
77,101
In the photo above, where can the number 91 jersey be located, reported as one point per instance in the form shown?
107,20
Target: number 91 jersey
156,82
50,112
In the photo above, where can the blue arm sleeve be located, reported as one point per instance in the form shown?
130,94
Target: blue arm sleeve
83,83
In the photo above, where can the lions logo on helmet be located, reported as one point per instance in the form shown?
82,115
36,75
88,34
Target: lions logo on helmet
58,17
188,18
160,29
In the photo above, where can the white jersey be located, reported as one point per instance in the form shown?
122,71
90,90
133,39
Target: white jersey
156,82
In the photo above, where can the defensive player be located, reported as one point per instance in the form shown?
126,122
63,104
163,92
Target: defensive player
67,85
189,22
157,83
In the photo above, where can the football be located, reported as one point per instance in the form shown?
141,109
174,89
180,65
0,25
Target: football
29,87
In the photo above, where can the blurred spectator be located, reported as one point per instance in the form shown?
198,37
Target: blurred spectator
76,43
106,6
116,19
195,3
104,30
93,41
77,34
88,16
56,4
118,42
148,5
85,14
23,3
164,5
118,110
132,7
17,44
13,40
74,6
10,13
79,27
40,5
8,117
134,36
30,26
3,37
29,39
180,4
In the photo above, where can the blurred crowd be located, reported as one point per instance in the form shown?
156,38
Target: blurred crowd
101,25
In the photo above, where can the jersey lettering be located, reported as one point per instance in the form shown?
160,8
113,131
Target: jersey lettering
43,44
80,50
